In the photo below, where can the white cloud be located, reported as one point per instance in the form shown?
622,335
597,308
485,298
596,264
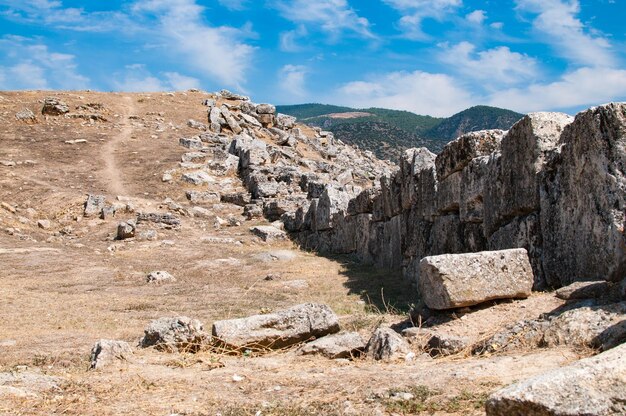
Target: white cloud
477,17
493,67
557,22
581,87
34,66
331,16
292,82
497,25
234,4
215,52
419,92
415,11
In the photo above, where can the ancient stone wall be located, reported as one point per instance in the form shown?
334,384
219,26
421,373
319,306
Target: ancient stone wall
552,184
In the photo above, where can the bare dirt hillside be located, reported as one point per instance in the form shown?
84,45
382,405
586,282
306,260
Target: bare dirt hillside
66,282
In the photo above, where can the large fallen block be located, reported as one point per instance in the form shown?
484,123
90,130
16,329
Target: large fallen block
277,330
593,386
456,280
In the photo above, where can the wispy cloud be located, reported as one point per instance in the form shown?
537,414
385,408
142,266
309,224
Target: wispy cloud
419,92
53,13
291,82
476,17
215,52
289,40
137,78
234,4
334,17
557,22
35,66
415,11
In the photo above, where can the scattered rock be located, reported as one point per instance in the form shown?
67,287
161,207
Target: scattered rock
160,276
149,235
584,290
227,95
26,115
268,233
94,205
265,109
126,230
54,107
43,224
277,330
8,207
203,197
592,386
106,352
179,334
346,345
455,280
167,218
198,177
387,344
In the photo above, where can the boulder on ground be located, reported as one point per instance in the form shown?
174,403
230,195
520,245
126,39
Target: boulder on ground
198,177
26,115
126,230
584,290
277,330
106,352
346,345
94,205
175,334
456,280
268,233
160,276
592,386
54,107
387,344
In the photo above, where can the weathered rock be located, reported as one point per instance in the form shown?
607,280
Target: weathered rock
230,120
277,330
198,177
387,344
458,153
455,280
332,203
26,115
191,142
513,187
126,230
228,95
265,109
285,121
473,179
584,290
583,200
587,325
268,233
160,276
346,345
436,342
106,352
54,107
592,386
159,218
196,125
238,198
94,205
175,334
251,211
43,224
207,197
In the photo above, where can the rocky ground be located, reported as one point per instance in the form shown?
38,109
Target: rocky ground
68,279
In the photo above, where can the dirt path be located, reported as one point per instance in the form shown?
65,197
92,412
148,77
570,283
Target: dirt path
111,172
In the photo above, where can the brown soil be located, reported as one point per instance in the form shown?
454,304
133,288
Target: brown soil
65,287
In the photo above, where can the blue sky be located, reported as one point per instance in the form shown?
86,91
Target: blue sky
432,57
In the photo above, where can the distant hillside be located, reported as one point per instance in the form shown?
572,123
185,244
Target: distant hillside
388,132
480,117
